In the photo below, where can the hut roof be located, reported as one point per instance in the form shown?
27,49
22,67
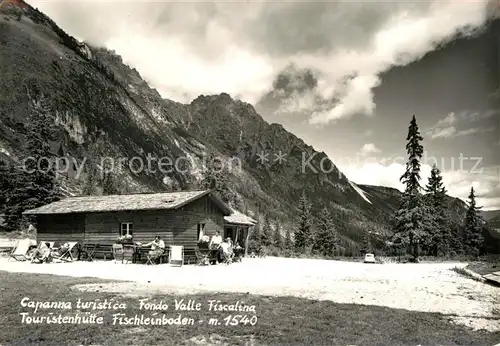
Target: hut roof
143,201
239,218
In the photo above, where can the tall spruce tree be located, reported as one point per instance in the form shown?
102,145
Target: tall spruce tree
439,238
302,235
367,245
325,241
254,237
255,234
288,242
473,226
410,218
109,184
266,237
91,178
456,237
5,183
278,239
216,178
34,183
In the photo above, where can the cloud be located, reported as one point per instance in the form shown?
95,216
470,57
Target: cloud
469,116
450,119
445,132
291,91
189,48
451,132
447,127
368,149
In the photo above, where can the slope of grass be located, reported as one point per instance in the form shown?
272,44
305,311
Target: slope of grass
280,321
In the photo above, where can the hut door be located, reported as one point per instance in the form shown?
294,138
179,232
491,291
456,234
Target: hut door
229,233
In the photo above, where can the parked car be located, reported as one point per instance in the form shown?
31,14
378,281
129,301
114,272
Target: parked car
369,258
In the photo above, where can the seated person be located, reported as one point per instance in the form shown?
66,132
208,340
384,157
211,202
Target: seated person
204,243
226,249
238,250
215,241
60,251
157,247
41,253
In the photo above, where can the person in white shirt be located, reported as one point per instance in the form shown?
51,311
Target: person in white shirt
41,253
157,247
226,248
216,241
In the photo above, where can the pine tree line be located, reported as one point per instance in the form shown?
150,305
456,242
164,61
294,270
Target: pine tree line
268,239
314,234
422,223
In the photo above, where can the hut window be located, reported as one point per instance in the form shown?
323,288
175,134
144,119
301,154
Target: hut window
126,228
201,230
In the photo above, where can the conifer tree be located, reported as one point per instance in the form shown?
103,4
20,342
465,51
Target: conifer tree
91,179
438,240
254,237
278,239
5,183
303,233
109,184
266,235
216,178
410,218
367,246
456,237
34,180
288,243
473,239
325,241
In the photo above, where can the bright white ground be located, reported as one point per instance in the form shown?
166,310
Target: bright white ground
429,287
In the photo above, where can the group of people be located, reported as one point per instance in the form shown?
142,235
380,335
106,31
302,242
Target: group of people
225,248
44,253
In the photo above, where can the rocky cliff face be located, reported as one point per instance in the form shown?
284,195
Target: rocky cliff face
106,113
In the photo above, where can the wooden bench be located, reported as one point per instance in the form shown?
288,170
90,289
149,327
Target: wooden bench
93,251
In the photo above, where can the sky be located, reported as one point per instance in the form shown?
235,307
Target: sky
346,77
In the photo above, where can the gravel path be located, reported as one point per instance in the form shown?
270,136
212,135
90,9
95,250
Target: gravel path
428,287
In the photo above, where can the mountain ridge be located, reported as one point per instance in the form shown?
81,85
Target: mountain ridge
103,108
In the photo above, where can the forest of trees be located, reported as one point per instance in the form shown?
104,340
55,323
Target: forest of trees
422,224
